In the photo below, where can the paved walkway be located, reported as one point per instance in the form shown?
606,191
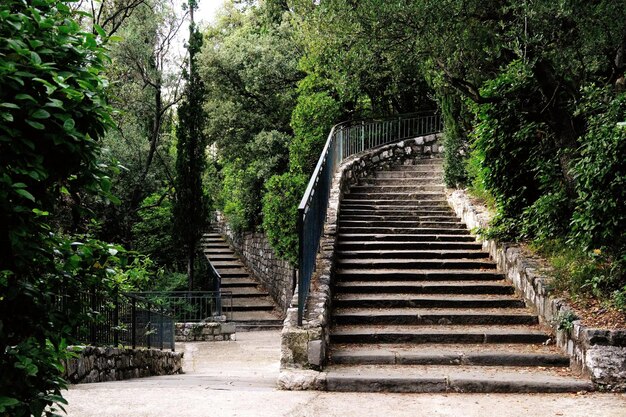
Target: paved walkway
238,379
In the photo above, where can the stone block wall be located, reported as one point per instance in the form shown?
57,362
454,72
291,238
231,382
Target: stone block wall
99,364
304,349
598,353
254,249
204,332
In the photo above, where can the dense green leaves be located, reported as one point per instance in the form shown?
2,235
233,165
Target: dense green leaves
53,112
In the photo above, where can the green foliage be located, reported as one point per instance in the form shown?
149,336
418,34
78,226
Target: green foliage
153,232
599,220
240,196
190,205
455,140
280,213
52,111
311,121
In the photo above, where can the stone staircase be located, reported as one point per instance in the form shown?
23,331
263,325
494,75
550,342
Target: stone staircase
252,307
419,307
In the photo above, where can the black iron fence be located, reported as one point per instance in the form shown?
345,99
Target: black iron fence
99,318
345,139
193,306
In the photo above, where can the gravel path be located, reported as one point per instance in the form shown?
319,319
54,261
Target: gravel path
238,379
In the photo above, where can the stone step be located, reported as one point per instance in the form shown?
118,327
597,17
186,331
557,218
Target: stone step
474,355
454,224
407,217
428,287
423,180
229,283
214,250
425,301
233,272
412,254
428,167
396,211
396,188
405,230
227,264
350,202
422,379
399,263
404,237
399,245
220,257
248,291
251,304
400,275
429,317
445,334
395,197
434,160
411,174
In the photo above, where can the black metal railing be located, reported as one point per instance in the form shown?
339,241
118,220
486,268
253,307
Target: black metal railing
193,306
104,319
345,139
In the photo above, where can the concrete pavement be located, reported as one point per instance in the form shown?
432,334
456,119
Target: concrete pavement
238,378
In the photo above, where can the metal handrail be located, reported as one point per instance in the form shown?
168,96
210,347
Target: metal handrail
344,140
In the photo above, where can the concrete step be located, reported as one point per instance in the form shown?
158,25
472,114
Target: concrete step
221,257
425,301
404,237
396,188
529,355
228,283
447,223
215,250
410,174
399,263
437,165
361,201
227,264
422,379
251,304
443,287
411,196
405,230
412,254
445,334
423,180
421,316
233,272
355,210
399,245
403,217
400,275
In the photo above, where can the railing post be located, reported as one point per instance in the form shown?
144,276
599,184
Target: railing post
301,290
362,136
133,322
149,326
161,327
116,318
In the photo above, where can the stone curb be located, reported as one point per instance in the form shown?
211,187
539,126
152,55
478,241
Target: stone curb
598,353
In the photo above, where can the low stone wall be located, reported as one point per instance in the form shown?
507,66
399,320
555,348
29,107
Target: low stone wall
204,332
258,256
303,349
598,353
98,364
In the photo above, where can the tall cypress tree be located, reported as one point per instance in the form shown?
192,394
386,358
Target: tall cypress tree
190,212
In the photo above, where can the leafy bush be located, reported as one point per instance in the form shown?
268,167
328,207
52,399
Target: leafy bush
311,121
52,111
280,213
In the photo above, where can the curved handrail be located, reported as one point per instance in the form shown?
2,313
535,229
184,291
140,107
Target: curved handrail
345,139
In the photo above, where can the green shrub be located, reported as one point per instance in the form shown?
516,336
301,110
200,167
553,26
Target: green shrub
280,213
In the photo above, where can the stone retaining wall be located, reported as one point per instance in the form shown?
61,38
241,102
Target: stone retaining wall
303,349
204,332
598,353
275,274
98,364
